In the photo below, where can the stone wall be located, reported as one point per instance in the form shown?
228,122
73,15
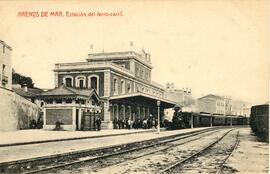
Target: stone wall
15,111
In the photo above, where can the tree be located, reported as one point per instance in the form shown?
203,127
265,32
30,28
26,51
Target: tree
21,79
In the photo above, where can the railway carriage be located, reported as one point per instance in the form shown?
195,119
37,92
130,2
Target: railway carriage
183,120
218,120
259,121
204,119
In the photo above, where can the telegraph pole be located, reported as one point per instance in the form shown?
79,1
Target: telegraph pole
158,127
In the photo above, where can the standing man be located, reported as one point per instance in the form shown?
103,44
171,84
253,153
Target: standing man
98,124
129,123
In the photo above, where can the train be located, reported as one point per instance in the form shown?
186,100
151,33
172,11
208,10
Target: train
202,119
259,121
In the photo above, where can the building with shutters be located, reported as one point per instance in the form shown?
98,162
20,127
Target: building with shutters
215,104
5,66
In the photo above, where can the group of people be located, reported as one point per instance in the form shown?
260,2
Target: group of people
146,123
36,124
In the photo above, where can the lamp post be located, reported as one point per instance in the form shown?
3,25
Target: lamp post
158,127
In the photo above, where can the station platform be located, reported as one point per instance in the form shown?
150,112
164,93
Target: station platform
34,136
23,145
251,155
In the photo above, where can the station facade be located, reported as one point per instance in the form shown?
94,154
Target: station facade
121,79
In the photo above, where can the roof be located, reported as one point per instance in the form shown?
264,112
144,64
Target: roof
142,96
69,91
211,96
121,55
3,43
64,90
30,93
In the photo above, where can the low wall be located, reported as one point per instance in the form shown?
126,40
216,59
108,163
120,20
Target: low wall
16,112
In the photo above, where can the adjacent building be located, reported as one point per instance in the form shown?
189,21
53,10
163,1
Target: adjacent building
121,79
215,104
28,93
241,108
180,96
5,66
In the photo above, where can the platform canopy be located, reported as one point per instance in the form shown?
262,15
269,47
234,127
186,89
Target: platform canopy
143,98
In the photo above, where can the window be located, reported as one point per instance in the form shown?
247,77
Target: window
128,88
58,101
115,86
68,82
137,71
81,83
3,69
49,101
93,82
69,100
122,86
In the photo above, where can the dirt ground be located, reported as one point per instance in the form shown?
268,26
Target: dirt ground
250,157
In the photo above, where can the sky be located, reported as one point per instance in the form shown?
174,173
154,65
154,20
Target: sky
210,46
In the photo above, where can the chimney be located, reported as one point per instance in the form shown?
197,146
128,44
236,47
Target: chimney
168,85
24,86
172,85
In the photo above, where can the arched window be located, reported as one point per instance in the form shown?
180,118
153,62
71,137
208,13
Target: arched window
128,115
80,82
68,81
122,86
128,88
138,112
93,82
115,111
122,114
115,86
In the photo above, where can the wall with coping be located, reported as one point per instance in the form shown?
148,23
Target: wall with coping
16,112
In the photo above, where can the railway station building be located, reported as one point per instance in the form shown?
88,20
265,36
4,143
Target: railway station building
121,79
70,107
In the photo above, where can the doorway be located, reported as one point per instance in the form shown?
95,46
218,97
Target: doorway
77,119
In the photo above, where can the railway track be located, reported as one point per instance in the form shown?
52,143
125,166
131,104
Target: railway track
228,157
178,167
118,152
